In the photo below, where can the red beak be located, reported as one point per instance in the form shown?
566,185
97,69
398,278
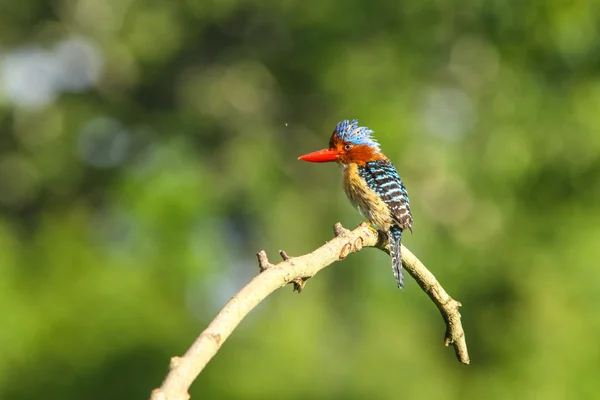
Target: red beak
325,155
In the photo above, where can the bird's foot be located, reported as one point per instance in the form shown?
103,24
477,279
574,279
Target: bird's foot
369,225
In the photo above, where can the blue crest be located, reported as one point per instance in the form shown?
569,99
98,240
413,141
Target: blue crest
351,132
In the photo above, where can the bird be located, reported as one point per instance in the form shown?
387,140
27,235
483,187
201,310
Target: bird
371,182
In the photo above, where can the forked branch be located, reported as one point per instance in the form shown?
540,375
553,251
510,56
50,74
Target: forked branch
296,270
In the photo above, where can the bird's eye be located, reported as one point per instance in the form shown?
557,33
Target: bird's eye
348,147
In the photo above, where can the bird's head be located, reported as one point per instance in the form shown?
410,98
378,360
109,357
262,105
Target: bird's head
349,144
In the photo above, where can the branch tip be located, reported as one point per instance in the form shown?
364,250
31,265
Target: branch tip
284,255
263,261
299,284
339,230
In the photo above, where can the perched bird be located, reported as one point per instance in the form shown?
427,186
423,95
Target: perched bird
371,183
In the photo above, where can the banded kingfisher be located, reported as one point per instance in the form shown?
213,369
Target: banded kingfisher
371,183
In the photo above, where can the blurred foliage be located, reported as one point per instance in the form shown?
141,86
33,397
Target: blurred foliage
148,150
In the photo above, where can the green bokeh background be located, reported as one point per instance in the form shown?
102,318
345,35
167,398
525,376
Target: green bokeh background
148,150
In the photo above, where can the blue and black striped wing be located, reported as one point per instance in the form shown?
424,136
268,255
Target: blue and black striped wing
382,177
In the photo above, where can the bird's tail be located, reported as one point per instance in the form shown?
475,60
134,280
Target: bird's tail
394,238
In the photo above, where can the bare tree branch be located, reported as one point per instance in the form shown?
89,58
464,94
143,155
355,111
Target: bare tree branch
297,270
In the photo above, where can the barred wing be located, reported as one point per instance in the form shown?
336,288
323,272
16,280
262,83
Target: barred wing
382,177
